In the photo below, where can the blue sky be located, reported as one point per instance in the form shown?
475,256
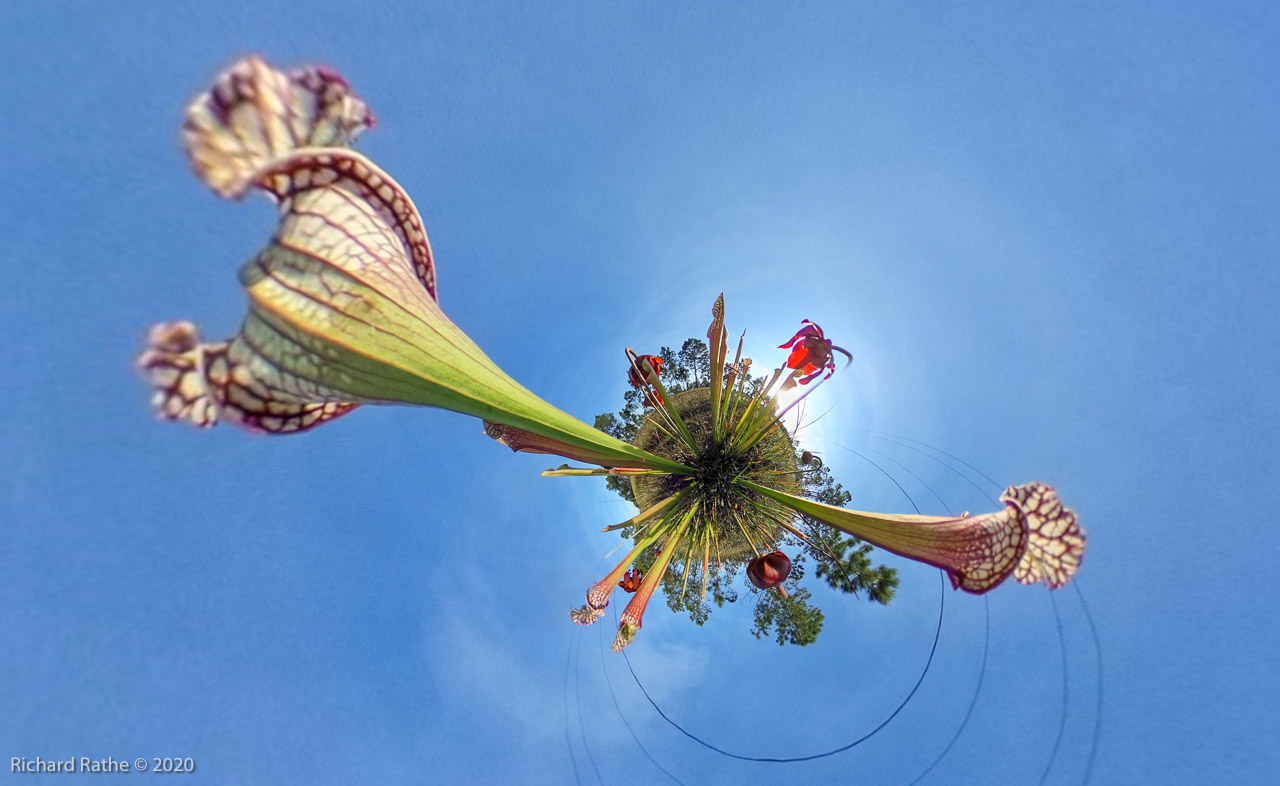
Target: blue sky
1047,234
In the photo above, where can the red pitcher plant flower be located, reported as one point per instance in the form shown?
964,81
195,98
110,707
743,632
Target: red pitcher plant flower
642,370
812,352
631,581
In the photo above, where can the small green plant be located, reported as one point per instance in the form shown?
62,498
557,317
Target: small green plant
742,526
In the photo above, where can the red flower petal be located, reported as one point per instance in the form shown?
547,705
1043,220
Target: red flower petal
798,357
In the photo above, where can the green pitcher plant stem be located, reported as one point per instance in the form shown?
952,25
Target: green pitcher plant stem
1034,537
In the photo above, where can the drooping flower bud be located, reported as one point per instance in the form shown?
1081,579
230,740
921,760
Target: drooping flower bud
769,570
644,369
631,581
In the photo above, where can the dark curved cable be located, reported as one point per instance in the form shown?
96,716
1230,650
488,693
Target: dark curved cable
882,435
963,476
942,596
1097,648
906,469
577,697
1062,720
886,474
977,690
614,696
568,741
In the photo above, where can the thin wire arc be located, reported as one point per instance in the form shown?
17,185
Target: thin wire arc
977,691
884,472
963,476
906,469
617,707
577,696
1062,721
568,741
1097,648
989,479
792,759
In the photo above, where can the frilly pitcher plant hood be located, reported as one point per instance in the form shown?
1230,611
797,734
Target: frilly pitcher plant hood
342,302
343,311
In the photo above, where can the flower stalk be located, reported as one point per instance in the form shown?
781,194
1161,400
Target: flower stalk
633,614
